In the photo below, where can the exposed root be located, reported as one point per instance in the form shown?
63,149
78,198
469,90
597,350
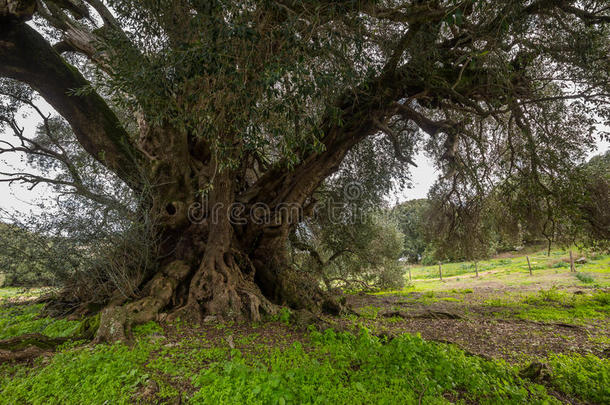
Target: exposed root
426,314
26,347
31,339
29,353
222,289
116,321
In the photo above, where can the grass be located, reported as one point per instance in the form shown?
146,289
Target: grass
585,278
347,368
324,368
328,367
21,292
269,364
103,374
553,305
21,319
540,262
522,296
587,377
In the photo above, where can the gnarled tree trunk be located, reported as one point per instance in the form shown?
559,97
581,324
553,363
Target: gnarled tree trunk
219,261
215,259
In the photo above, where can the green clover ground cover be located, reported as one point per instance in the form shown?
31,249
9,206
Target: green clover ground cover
18,320
328,367
360,369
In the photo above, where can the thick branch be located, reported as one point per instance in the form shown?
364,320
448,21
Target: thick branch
27,57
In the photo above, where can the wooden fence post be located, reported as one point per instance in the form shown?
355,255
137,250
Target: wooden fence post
476,269
572,269
529,265
440,271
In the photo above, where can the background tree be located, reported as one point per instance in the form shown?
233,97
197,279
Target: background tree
594,202
258,103
567,210
458,228
353,255
411,219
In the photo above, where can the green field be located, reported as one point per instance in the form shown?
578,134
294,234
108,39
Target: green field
394,349
541,264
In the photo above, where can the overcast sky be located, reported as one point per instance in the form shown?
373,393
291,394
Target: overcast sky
18,198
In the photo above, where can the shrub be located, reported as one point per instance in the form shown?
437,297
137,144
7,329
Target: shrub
351,256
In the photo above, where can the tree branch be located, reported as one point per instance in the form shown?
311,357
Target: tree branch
27,57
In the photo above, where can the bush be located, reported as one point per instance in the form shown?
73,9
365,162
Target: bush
352,256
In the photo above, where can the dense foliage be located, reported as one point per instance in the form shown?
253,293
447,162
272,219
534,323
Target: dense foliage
568,210
362,255
181,107
412,222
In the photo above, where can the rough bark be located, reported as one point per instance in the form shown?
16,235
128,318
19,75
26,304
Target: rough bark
221,276
215,274
116,320
31,345
211,269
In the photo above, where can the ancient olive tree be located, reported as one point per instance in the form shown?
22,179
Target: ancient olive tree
233,113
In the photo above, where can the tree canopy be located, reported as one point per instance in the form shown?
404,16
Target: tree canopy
262,103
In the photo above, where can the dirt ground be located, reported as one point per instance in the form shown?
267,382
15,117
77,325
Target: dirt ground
462,314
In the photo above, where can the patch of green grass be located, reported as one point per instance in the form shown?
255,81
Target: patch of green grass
21,319
585,278
602,298
328,367
146,329
553,305
9,292
12,292
587,377
498,302
462,291
103,374
450,299
539,261
359,369
369,312
282,316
